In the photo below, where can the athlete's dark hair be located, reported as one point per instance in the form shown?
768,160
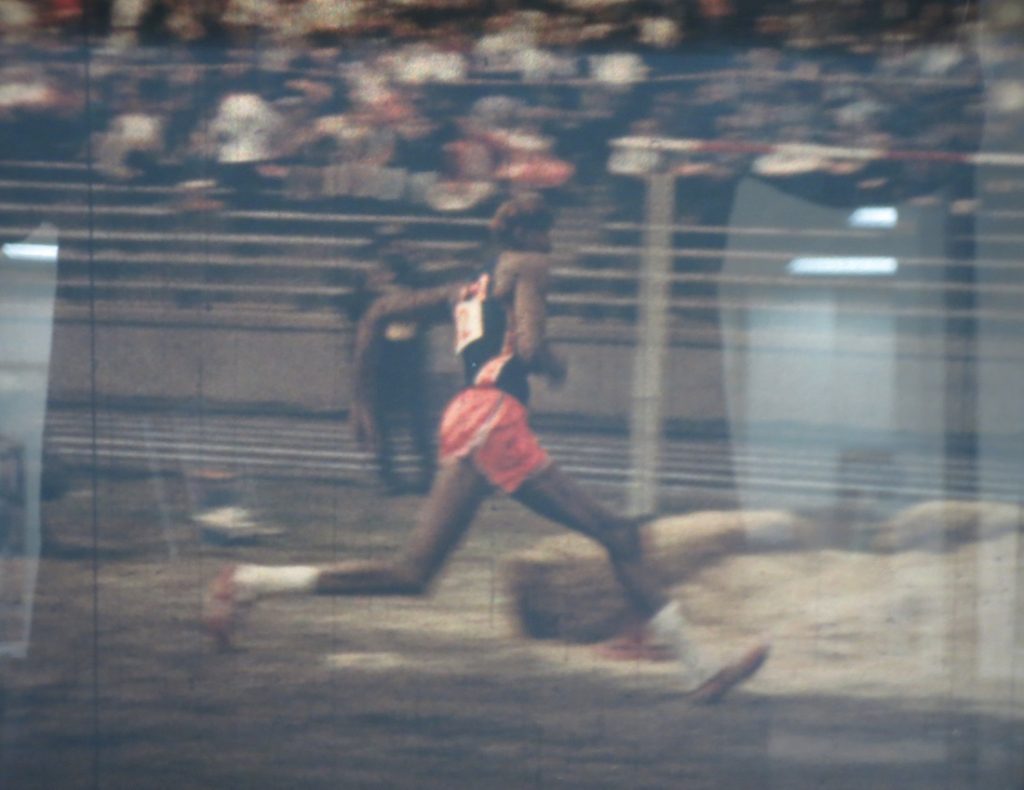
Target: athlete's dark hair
517,217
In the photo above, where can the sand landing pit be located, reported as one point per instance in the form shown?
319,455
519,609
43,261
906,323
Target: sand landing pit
564,588
934,616
941,524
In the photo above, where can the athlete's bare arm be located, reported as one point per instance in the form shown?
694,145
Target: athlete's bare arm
524,277
429,305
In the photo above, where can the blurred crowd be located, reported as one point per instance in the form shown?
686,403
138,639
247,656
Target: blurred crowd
555,23
452,103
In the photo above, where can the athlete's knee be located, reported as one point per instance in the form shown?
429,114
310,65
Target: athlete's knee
621,538
411,578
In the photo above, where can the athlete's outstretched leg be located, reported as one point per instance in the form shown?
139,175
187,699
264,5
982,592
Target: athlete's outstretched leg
553,494
454,499
447,513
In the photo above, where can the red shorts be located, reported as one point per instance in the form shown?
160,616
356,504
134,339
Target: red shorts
490,428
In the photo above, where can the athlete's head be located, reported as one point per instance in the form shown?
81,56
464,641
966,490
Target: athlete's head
522,223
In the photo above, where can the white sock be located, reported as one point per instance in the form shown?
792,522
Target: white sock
669,627
258,581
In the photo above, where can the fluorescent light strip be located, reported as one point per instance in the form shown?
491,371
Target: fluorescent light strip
31,252
874,217
853,266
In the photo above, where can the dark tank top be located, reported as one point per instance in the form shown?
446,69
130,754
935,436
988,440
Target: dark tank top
485,339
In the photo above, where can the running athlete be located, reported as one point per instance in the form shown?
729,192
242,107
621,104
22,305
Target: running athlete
485,443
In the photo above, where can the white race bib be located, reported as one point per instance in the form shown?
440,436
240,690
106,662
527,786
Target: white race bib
469,322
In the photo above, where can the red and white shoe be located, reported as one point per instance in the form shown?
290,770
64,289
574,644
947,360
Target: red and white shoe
729,677
221,608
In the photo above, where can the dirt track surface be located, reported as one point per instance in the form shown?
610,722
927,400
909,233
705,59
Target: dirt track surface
121,690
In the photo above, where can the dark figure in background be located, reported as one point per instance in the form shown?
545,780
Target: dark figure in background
400,379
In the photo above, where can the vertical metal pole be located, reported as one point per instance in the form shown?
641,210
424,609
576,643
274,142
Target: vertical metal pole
960,459
652,336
